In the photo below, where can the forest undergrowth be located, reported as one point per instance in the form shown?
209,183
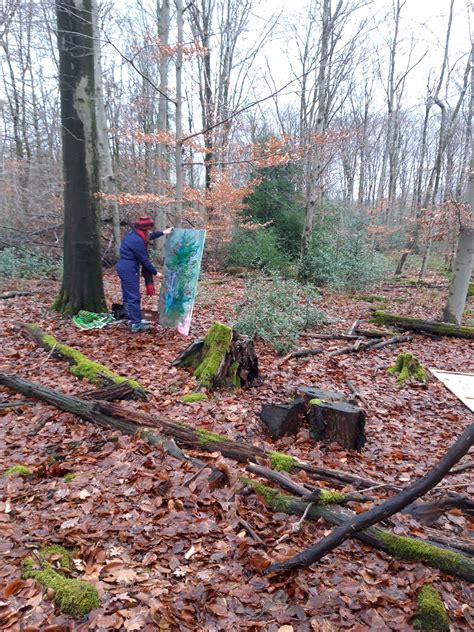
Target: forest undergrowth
167,550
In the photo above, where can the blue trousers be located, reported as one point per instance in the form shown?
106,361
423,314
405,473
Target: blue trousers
130,281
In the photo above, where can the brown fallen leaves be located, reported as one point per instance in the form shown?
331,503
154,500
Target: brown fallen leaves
165,548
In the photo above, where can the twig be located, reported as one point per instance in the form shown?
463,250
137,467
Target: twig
49,355
250,531
353,327
196,475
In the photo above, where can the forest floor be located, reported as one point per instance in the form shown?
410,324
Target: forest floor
169,555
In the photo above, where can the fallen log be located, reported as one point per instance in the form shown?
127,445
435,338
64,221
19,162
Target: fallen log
384,510
221,358
114,391
417,324
402,547
13,294
129,421
80,365
451,540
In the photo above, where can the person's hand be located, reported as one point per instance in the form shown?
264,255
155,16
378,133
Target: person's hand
169,230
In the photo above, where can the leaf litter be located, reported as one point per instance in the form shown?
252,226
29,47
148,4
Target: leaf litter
166,554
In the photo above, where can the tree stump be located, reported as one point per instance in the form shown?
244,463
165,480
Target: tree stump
337,421
283,419
221,358
309,393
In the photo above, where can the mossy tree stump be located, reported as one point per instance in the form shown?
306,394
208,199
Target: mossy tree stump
408,367
221,358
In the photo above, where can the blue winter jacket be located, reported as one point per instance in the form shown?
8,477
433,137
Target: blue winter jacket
133,252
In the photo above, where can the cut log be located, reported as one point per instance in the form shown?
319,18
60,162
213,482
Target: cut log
403,547
417,324
283,419
341,422
309,393
80,365
129,421
385,509
222,358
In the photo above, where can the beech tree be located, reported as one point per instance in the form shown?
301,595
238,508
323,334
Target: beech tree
465,249
82,286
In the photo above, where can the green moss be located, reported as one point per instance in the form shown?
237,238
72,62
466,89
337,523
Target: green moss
233,374
216,344
407,366
193,397
330,498
315,401
65,556
282,462
443,329
206,437
273,500
21,470
69,477
420,551
470,289
82,367
431,615
72,596
372,299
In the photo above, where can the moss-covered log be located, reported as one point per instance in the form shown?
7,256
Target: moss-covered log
402,547
80,365
129,421
222,358
385,509
417,324
72,596
431,615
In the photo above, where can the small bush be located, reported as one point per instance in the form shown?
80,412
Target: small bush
277,310
341,258
259,249
28,264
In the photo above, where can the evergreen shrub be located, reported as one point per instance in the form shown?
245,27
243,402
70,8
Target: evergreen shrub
277,310
28,264
259,249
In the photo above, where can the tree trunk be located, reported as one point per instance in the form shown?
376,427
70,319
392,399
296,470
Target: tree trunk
462,273
418,324
465,250
179,116
82,286
106,173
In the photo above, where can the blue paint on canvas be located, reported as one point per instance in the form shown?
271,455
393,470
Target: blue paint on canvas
183,255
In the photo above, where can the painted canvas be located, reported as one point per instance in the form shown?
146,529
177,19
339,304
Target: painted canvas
183,255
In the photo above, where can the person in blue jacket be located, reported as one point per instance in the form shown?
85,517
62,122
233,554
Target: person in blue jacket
133,255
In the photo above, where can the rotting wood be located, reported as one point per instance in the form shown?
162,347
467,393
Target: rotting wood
385,509
114,391
341,422
417,324
129,421
221,358
6,295
408,548
451,540
80,365
283,419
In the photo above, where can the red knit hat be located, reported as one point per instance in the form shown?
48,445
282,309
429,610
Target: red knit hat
144,223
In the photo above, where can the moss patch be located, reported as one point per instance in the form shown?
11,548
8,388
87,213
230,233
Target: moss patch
420,551
69,477
82,367
282,462
407,366
315,401
71,596
21,470
274,500
206,437
330,498
431,615
216,345
470,289
56,550
193,397
442,329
